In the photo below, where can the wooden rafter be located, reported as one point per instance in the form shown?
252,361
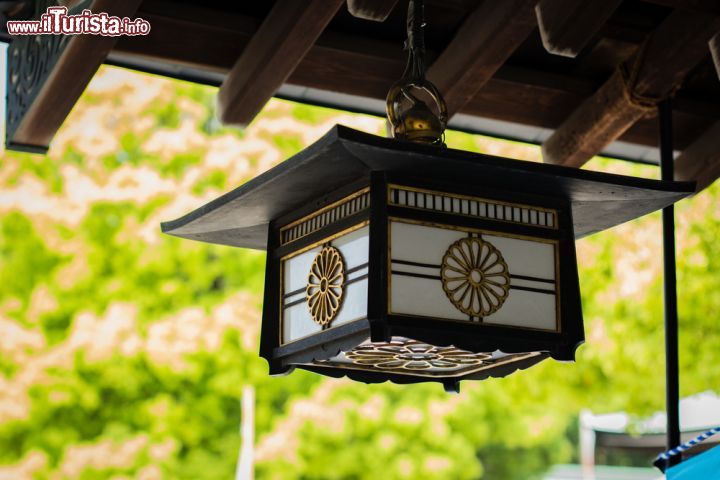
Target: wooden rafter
519,94
285,36
715,52
52,71
703,6
566,26
375,10
701,160
480,47
676,46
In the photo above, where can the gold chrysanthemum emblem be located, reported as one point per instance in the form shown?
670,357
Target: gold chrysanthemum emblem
324,291
413,355
475,277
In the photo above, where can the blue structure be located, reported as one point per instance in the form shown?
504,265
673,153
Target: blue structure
705,466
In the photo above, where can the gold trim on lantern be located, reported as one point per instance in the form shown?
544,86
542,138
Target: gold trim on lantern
324,292
325,240
488,201
322,210
475,277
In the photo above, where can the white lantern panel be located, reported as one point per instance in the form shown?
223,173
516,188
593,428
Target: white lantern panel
297,320
354,306
354,247
527,309
472,275
295,271
420,243
421,296
527,258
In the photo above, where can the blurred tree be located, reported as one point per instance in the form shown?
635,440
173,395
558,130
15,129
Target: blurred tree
123,352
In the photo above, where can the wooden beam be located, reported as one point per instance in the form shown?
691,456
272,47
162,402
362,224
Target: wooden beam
188,42
48,73
519,94
702,6
676,46
285,36
701,160
715,52
480,47
375,10
566,26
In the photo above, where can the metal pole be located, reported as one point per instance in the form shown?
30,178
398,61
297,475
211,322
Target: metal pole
245,469
672,376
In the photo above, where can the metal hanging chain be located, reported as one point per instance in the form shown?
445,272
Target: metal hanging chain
663,457
415,43
417,121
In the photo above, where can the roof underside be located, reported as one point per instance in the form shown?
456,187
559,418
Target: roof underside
580,78
354,61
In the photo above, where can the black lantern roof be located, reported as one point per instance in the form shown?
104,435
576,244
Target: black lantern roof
346,156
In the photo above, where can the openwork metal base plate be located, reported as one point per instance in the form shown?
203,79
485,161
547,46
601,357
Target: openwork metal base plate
410,357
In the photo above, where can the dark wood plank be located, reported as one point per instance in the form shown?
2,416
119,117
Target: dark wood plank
50,74
715,52
375,10
529,90
516,93
189,42
678,45
567,26
480,47
701,160
285,36
702,6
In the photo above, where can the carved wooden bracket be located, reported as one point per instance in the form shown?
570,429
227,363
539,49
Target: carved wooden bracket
48,73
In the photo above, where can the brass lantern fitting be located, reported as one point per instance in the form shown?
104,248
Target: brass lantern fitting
410,117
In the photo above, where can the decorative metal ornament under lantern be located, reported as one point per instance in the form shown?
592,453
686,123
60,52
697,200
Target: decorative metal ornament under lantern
411,262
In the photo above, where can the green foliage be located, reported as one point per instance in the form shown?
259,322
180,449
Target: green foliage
24,258
179,164
167,114
216,179
33,165
512,428
287,145
312,115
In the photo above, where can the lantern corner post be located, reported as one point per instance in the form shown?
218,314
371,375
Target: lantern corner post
271,327
378,275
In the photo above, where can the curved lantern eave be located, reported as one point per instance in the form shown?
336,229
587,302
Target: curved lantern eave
343,158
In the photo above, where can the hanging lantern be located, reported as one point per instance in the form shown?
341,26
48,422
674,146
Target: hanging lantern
399,261
410,262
